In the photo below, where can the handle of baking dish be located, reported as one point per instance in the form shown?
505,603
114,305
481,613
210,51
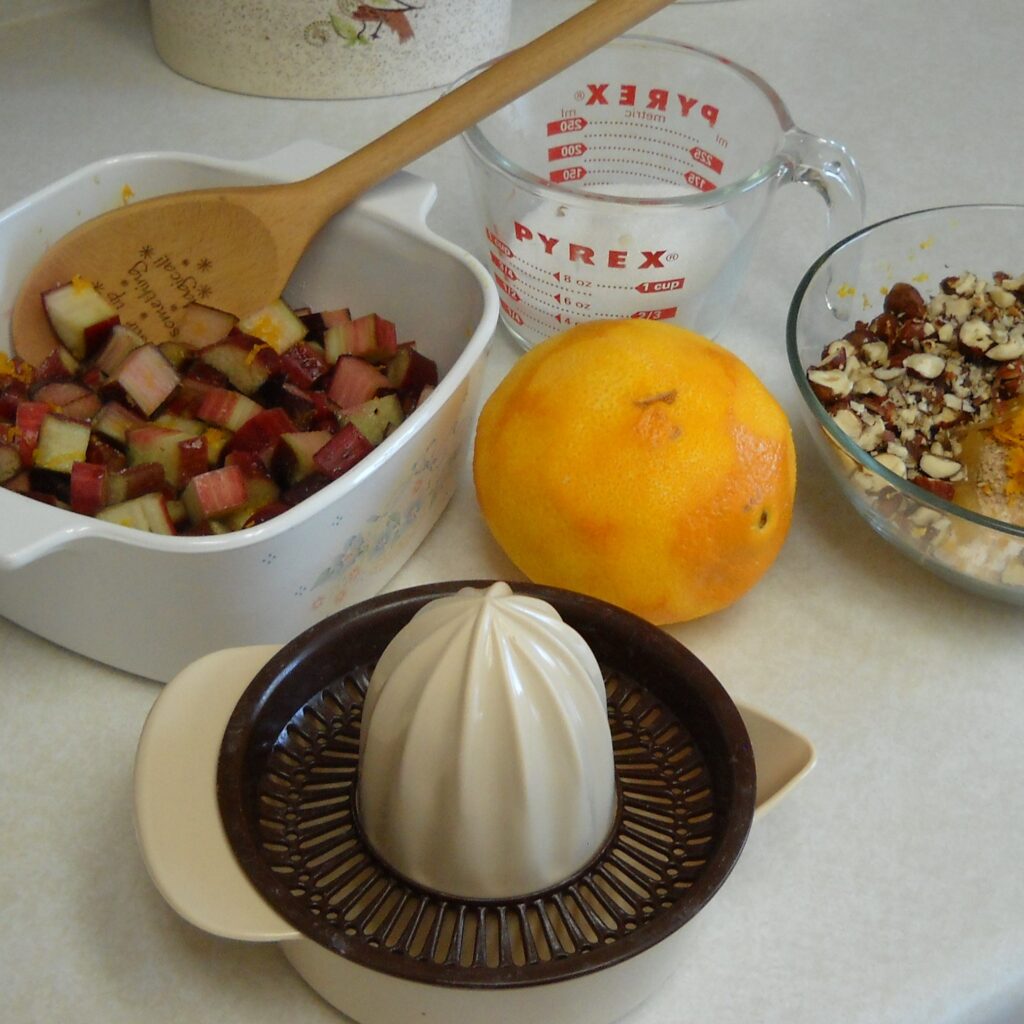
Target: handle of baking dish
177,820
30,529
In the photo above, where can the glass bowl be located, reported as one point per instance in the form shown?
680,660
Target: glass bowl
847,285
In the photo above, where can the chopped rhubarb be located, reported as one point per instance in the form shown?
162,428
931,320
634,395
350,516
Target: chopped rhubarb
88,487
347,447
274,324
134,481
75,401
50,482
369,337
147,378
259,434
28,419
354,382
221,426
102,453
12,394
215,493
60,364
120,344
75,308
304,364
202,325
230,409
62,442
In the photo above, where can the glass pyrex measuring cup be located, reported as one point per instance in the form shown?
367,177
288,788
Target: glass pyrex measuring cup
632,185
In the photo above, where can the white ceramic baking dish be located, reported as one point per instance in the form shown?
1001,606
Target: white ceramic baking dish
152,604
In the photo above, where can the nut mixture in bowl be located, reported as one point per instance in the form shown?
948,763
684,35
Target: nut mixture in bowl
918,399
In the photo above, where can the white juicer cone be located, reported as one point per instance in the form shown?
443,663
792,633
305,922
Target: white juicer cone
486,766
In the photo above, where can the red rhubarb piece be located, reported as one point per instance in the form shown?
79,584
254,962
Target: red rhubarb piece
354,381
347,447
215,493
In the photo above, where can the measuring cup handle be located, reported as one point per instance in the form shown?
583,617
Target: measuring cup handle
830,170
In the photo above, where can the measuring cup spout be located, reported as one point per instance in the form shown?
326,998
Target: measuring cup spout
830,170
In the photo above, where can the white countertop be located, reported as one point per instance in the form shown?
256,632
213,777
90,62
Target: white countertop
887,887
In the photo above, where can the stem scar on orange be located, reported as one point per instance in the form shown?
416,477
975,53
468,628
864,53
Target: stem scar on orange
640,463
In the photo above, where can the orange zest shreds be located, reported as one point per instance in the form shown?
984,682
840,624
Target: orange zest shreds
1010,434
127,193
16,368
251,355
79,283
11,434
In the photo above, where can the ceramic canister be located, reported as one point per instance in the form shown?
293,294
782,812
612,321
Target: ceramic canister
328,49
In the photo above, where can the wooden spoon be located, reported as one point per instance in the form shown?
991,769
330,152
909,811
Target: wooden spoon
247,240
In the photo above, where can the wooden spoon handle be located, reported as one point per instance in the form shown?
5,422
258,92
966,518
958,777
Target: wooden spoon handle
505,80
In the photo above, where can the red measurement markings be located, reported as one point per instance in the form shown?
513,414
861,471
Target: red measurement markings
504,268
566,125
568,174
567,152
655,314
698,181
502,247
506,288
671,285
513,314
706,159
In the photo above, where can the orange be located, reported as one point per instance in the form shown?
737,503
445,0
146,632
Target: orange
637,462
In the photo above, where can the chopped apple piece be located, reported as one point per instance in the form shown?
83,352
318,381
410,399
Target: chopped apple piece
147,512
260,492
275,324
10,461
293,456
147,378
62,442
202,325
246,361
409,373
214,494
377,417
74,309
114,420
181,455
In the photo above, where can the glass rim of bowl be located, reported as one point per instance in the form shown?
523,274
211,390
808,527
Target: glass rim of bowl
835,433
488,154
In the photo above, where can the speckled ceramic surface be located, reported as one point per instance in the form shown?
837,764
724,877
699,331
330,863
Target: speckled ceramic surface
328,49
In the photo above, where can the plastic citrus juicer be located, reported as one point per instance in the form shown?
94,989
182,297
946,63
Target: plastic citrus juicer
459,801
